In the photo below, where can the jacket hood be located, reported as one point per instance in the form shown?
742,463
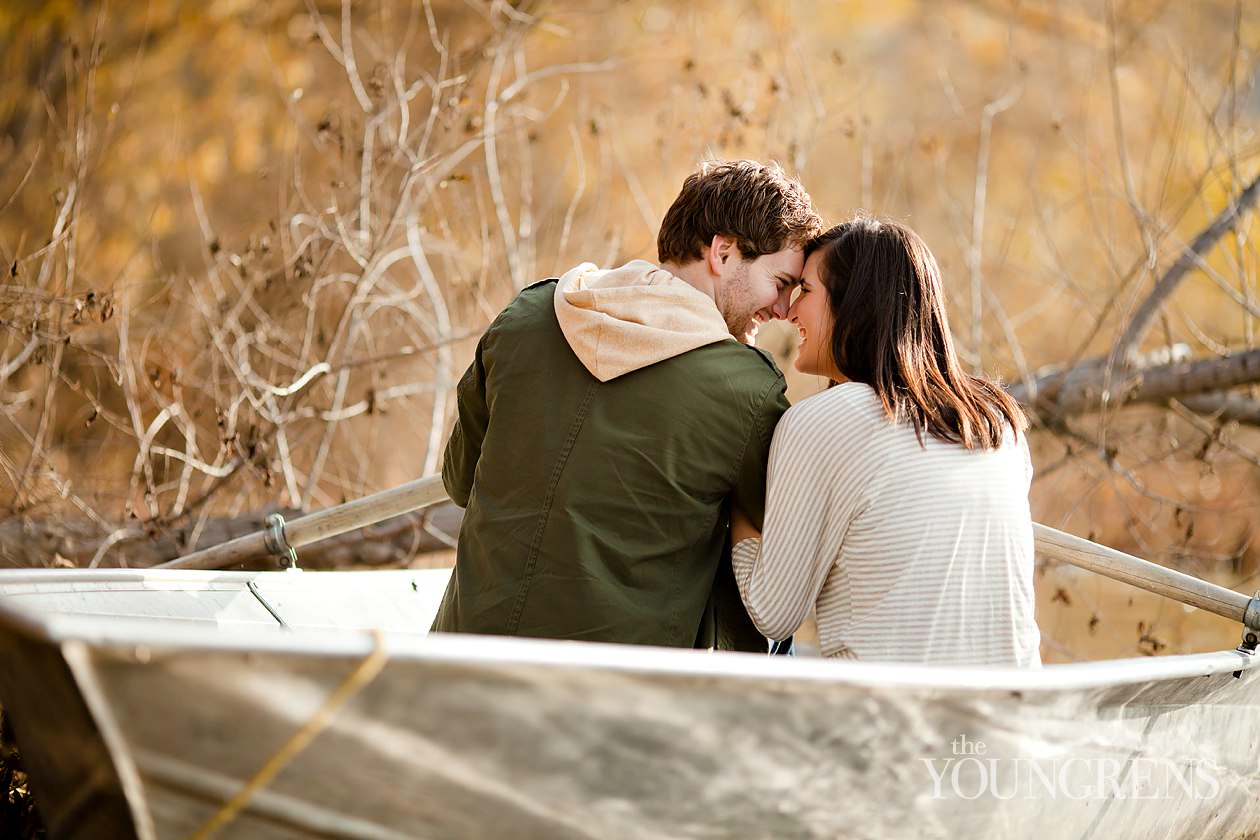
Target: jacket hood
622,319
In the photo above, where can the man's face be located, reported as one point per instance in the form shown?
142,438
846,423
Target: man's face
752,292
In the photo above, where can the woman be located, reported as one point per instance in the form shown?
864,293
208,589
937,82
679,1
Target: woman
897,502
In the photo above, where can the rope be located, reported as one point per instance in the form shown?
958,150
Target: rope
360,677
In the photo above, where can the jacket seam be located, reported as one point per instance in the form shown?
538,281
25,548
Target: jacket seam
535,546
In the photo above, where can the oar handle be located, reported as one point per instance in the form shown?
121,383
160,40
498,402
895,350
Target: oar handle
320,525
1143,574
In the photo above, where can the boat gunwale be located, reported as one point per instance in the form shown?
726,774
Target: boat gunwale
10,577
159,636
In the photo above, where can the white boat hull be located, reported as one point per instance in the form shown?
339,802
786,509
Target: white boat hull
459,736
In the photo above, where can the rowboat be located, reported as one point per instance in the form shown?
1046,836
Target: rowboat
188,702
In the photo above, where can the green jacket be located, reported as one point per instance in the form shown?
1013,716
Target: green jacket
597,510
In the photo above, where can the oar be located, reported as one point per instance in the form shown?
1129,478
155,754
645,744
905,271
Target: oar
1143,574
282,538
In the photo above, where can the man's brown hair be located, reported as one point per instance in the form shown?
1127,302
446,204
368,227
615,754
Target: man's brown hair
755,204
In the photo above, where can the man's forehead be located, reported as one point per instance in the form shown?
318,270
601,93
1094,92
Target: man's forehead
789,261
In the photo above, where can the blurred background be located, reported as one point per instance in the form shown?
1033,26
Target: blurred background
248,247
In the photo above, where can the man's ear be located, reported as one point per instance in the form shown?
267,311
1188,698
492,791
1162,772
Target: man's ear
722,250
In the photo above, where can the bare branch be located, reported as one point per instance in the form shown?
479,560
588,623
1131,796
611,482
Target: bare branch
975,250
1212,433
1079,390
1237,408
1191,257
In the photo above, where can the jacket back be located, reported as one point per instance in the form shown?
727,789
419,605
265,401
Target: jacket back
597,510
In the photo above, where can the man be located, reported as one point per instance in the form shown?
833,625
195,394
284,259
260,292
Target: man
610,418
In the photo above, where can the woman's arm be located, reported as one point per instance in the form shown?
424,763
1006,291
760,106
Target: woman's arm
807,514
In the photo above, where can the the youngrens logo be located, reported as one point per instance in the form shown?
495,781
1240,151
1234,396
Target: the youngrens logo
970,773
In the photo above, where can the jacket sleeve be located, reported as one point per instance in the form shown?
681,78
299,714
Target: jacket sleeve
726,624
463,449
749,490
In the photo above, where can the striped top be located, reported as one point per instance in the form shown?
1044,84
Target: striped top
909,553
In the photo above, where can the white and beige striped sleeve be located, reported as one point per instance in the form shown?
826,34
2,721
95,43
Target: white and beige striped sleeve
809,505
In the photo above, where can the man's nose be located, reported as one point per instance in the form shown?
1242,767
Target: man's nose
783,303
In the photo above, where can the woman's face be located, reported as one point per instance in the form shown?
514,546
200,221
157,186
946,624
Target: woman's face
810,313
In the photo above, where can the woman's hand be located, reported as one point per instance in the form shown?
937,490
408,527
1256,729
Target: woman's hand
741,527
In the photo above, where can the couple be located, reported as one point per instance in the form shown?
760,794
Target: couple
617,431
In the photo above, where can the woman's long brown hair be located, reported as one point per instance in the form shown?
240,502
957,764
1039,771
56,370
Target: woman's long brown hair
890,331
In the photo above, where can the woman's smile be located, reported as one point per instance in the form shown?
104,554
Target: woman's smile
810,313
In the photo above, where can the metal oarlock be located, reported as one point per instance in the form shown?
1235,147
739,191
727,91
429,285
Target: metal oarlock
1251,617
277,543
280,538
1251,626
1251,629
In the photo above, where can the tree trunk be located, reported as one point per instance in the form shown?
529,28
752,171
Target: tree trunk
1062,394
